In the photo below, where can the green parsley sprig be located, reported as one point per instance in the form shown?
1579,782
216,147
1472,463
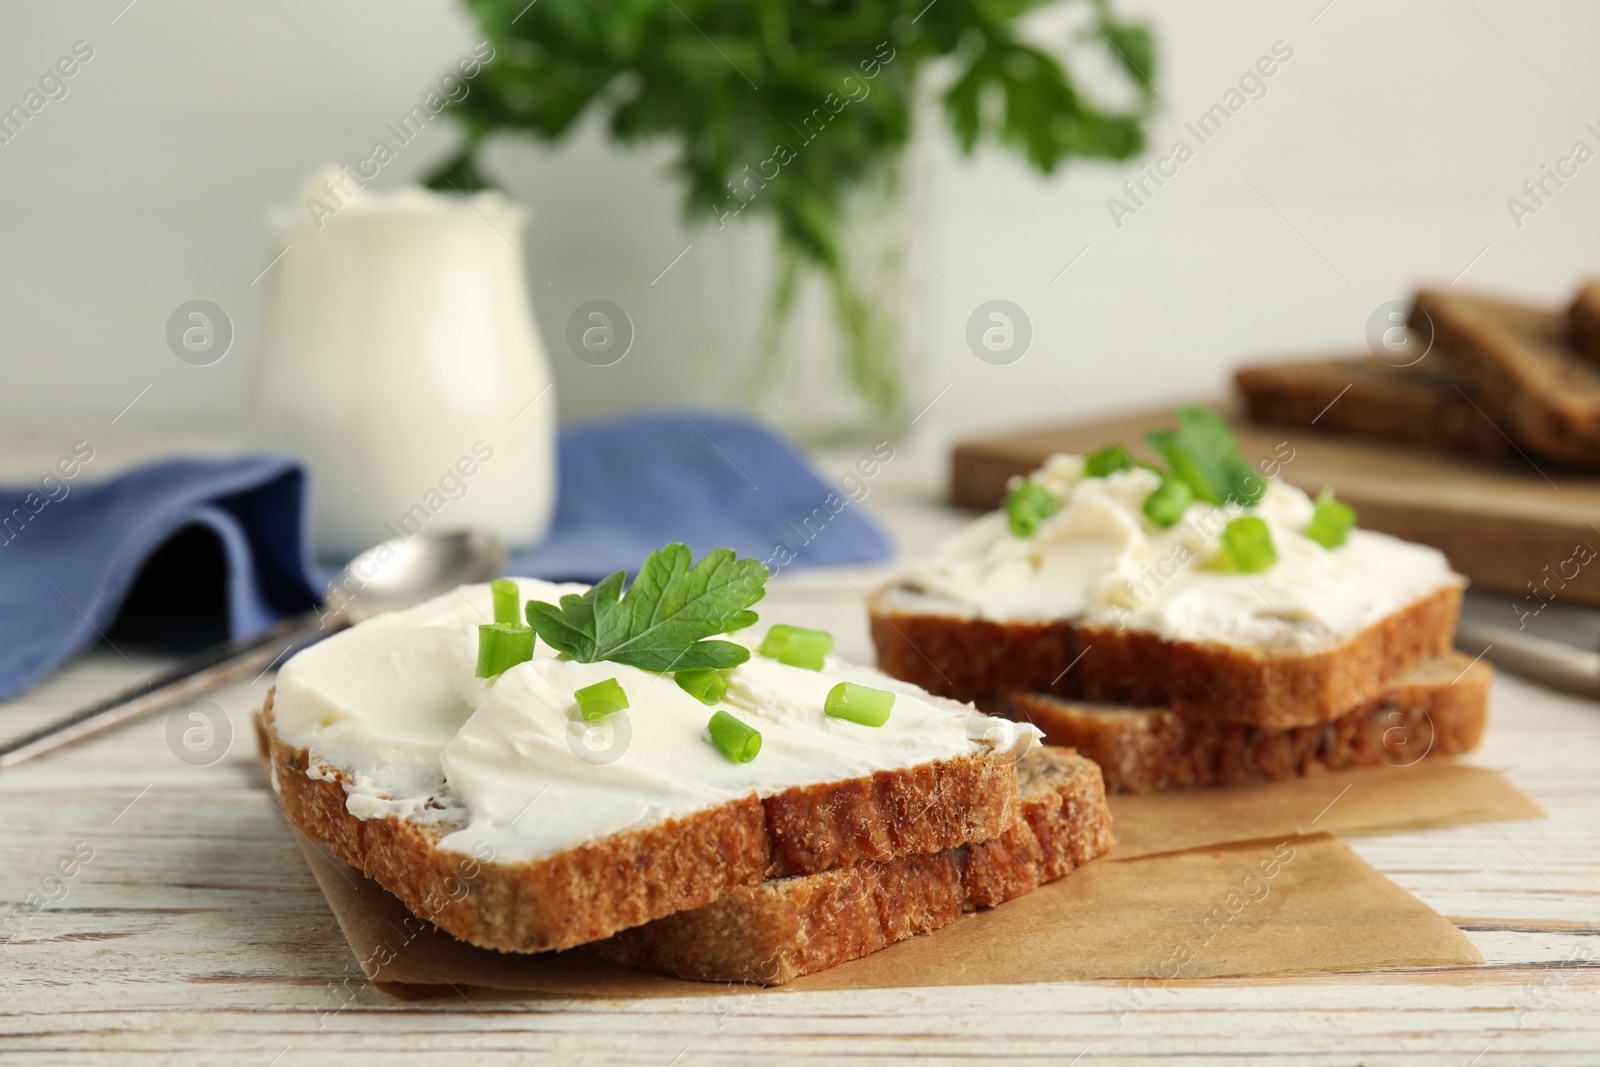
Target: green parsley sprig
663,620
790,107
1203,463
1205,454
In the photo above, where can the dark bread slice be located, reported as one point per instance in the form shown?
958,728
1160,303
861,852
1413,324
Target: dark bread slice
1437,709
1583,321
631,877
1360,395
983,660
1516,361
787,927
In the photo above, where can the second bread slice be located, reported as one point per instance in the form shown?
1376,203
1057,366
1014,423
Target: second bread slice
1437,709
783,928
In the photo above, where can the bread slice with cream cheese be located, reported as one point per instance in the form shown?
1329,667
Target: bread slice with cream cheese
1102,605
490,808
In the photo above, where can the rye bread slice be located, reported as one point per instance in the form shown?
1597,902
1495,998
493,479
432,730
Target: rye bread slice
983,660
1583,321
1518,364
631,877
1437,709
1367,397
783,928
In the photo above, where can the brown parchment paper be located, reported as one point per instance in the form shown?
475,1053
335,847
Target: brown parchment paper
1433,792
1206,883
1299,905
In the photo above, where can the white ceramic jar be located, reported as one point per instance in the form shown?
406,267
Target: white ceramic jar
399,359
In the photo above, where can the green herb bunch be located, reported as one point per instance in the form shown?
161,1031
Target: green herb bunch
781,106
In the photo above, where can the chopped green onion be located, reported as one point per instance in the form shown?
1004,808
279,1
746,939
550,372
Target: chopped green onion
1166,503
1331,521
859,703
733,738
507,602
797,646
1027,505
501,647
1246,546
1107,460
704,684
600,699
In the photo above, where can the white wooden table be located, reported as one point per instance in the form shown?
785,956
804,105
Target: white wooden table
195,933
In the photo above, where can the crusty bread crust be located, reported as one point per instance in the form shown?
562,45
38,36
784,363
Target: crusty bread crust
1583,321
787,927
1517,363
982,660
629,878
1366,397
1439,709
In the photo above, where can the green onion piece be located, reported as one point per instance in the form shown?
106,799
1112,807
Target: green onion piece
1027,506
733,738
1331,521
704,684
600,699
1107,460
507,602
1248,545
1166,503
501,647
859,703
796,646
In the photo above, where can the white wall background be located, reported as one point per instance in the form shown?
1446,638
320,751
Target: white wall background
1383,153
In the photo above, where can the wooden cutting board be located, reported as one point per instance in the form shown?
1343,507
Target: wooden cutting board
1528,531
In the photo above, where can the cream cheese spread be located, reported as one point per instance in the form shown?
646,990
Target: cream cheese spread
1099,561
394,704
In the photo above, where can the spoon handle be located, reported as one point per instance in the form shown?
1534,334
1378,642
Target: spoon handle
200,673
1551,663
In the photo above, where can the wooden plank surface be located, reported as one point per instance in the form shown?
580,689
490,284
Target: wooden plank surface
196,934
1516,528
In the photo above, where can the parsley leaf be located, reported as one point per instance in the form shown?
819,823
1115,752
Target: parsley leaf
661,622
1107,460
1204,453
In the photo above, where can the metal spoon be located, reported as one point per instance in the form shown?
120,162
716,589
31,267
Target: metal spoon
386,577
1551,663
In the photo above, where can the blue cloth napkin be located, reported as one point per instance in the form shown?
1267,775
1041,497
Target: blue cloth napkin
631,485
66,563
627,487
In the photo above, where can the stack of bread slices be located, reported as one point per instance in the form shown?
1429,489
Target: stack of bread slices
1167,660
1477,375
501,810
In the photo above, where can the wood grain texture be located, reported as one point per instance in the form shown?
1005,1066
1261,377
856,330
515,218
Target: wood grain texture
1514,527
196,934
